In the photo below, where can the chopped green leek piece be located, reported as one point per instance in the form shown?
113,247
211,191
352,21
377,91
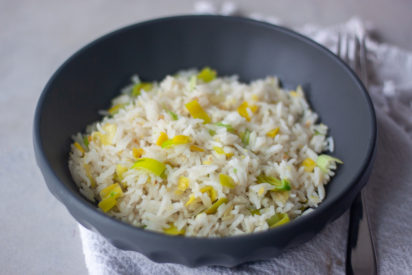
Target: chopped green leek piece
227,181
212,132
324,161
285,186
116,108
162,138
86,142
181,139
154,166
271,180
172,230
218,150
317,133
245,137
177,140
215,206
254,212
210,191
277,220
279,185
227,126
173,115
147,86
206,74
79,147
112,191
167,144
192,83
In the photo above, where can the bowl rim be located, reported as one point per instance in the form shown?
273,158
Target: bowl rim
67,196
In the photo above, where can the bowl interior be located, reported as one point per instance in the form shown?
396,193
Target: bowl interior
94,75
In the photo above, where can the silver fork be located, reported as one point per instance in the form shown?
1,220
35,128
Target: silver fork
360,251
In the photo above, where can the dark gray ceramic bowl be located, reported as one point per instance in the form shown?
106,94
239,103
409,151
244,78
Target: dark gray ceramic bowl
87,81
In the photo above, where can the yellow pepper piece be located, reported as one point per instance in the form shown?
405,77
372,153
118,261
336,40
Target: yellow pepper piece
226,180
151,165
273,133
162,138
218,150
192,198
112,191
195,148
120,170
172,230
243,110
107,204
182,184
277,220
110,132
215,206
206,74
229,155
79,147
210,191
146,86
207,162
309,164
196,111
137,152
293,93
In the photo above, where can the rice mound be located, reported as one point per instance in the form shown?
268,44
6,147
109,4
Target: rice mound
274,135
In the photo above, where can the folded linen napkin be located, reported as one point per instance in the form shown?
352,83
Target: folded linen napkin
389,191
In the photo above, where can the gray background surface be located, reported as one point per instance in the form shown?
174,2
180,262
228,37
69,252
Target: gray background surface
37,234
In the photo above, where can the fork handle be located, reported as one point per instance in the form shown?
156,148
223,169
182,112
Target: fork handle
360,253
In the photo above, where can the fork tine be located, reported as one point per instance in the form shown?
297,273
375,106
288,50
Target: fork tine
347,47
363,62
338,46
357,64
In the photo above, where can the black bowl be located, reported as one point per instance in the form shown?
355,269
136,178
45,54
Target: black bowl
87,81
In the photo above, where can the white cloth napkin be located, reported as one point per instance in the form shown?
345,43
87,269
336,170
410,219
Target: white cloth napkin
388,196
